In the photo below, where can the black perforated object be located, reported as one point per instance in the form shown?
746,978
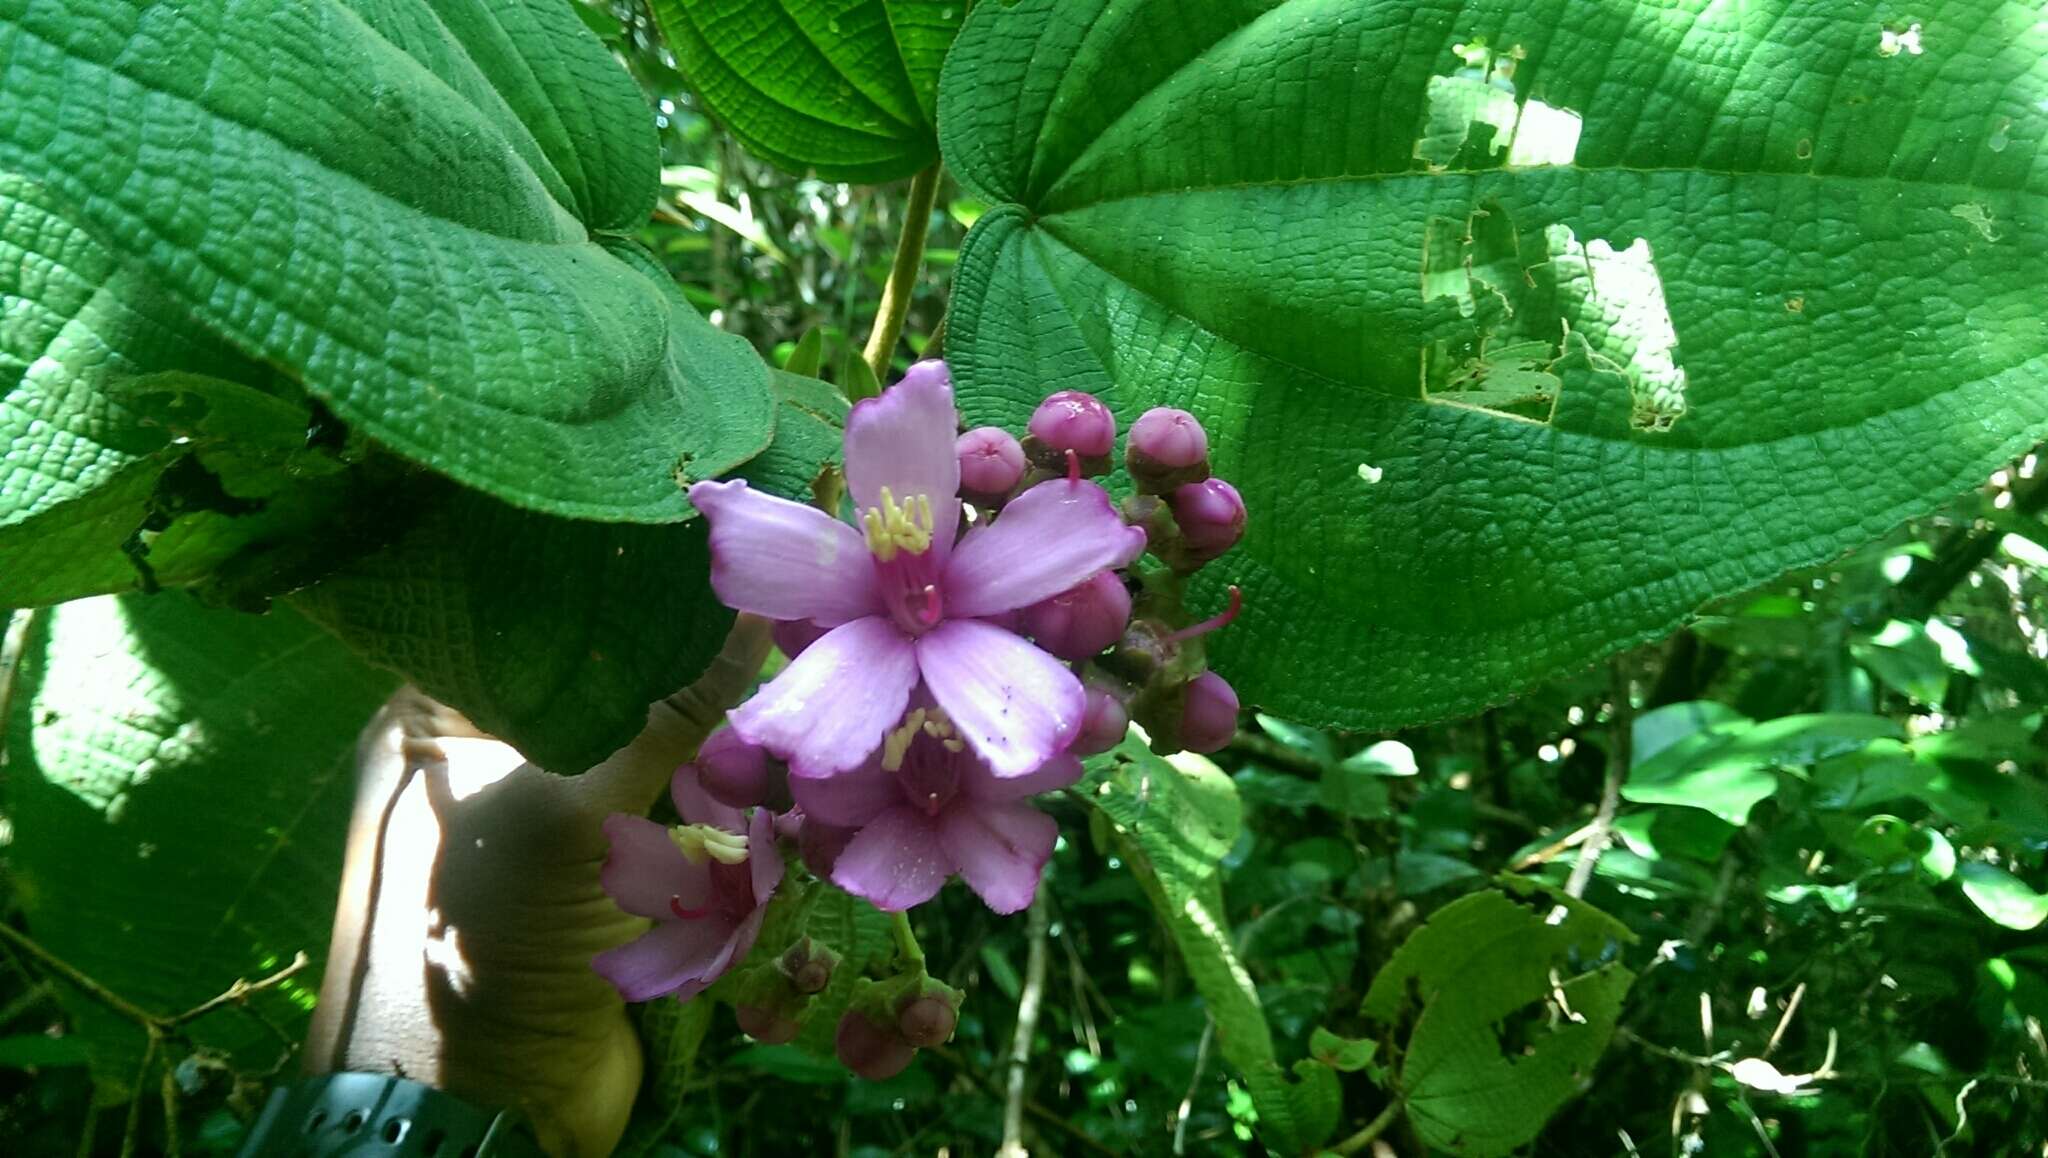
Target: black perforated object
376,1114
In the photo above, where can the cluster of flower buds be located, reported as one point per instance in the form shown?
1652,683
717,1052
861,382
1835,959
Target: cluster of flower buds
1135,653
987,617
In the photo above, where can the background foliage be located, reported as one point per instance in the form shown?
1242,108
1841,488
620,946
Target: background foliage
1533,331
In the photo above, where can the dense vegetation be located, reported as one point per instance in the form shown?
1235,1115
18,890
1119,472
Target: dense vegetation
1645,745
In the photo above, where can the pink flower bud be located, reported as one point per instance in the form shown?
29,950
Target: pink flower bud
765,1025
1209,720
1076,421
792,636
927,1021
991,463
1103,723
1167,449
1082,620
1211,518
875,1052
736,773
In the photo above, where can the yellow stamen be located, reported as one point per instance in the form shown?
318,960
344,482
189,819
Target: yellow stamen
891,528
896,745
701,842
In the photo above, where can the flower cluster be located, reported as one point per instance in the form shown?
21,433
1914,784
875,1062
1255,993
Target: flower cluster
987,617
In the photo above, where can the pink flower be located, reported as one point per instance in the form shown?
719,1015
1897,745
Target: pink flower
906,606
927,807
705,883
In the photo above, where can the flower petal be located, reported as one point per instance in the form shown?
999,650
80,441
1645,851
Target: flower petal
1059,772
696,806
784,560
763,857
645,869
903,440
895,862
828,709
1050,538
667,957
737,946
1001,849
851,798
1015,705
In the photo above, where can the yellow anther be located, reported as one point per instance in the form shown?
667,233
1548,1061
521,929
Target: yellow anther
701,842
896,745
891,528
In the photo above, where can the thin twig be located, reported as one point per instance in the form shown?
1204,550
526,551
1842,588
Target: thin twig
1087,1141
1620,746
898,290
240,991
1791,1007
78,978
1027,1027
1372,1130
133,1129
1187,1103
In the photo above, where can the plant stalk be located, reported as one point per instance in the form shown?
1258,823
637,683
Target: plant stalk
896,294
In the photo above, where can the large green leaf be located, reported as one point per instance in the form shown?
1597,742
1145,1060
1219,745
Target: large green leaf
1512,1000
400,205
554,634
1499,406
117,473
1728,767
842,87
180,782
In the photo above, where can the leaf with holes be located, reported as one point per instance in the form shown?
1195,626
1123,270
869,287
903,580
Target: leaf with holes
410,209
844,88
180,782
1509,998
1524,326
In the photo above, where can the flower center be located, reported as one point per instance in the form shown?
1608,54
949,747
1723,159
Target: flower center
924,753
900,538
892,529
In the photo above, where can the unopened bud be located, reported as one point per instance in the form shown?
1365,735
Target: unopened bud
1103,723
1166,449
1082,620
1211,517
871,1050
738,774
808,966
1209,719
767,1026
1071,420
991,464
927,1021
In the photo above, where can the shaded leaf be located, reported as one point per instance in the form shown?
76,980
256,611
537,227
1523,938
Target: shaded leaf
201,763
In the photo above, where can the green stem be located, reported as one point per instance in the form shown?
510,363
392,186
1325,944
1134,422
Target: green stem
1373,1129
906,941
896,294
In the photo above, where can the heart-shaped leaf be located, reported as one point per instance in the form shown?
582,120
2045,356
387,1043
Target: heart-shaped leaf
403,206
1525,326
842,87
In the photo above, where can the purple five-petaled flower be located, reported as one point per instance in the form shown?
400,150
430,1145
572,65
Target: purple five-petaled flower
926,807
907,607
705,883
